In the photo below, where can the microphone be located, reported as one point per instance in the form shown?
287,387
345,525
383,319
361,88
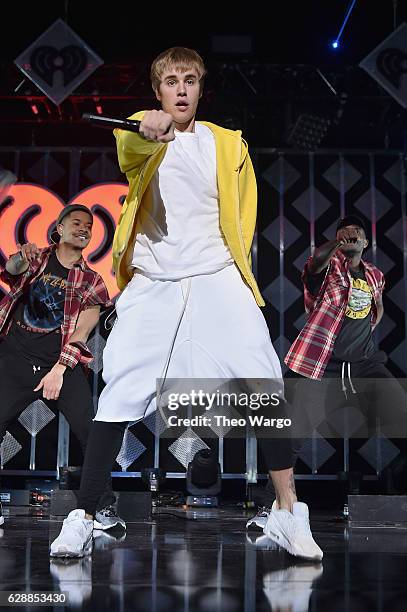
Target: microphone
130,125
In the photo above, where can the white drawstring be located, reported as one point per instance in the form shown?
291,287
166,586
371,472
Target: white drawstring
344,389
350,380
105,325
343,380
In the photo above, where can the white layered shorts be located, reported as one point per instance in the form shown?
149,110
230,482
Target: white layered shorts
206,326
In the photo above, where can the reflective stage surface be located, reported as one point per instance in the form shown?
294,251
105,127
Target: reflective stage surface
207,562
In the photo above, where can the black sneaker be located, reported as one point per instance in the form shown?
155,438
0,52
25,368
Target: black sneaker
107,518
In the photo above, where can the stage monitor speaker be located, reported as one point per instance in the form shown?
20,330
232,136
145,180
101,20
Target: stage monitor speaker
377,511
131,506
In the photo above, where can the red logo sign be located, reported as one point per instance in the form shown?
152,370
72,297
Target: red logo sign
33,211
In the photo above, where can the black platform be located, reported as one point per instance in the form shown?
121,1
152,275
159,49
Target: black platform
193,561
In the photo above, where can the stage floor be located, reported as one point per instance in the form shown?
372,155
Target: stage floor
206,561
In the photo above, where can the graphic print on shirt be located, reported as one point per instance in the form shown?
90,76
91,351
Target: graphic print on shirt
360,301
44,309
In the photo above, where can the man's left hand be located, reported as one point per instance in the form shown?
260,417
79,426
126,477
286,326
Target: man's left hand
52,382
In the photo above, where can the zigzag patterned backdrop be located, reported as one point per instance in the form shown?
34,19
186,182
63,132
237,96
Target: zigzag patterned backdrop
301,197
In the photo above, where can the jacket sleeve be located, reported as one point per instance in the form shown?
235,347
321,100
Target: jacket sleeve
10,279
75,353
13,280
133,149
97,295
309,297
78,352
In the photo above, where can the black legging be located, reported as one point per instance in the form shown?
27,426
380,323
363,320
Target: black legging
17,381
104,443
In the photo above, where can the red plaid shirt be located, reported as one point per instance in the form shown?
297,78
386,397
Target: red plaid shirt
84,289
312,349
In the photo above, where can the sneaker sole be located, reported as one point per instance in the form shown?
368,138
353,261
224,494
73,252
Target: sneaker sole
262,543
101,527
64,553
279,538
255,526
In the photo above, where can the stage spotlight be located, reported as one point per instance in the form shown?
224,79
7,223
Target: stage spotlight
335,43
203,479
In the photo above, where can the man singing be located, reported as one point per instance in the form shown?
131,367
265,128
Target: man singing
190,302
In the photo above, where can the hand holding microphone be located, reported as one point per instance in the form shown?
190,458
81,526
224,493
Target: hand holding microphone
131,125
156,125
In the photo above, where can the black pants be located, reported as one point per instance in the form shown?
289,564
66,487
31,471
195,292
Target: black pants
17,381
378,399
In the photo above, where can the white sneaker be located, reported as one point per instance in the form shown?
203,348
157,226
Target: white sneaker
292,531
75,539
259,520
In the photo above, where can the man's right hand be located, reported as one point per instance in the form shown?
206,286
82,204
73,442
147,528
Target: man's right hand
157,126
29,251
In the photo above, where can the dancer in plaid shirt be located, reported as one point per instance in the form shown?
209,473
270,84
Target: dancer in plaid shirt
45,320
343,301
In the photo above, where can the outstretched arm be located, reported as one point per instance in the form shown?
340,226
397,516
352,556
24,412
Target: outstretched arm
323,254
156,129
18,263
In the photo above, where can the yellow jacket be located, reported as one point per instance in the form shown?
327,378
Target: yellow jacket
140,158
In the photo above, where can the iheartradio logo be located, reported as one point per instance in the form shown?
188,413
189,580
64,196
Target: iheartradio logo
29,212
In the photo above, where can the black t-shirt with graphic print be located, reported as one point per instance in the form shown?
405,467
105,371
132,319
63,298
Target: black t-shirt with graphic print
354,341
35,331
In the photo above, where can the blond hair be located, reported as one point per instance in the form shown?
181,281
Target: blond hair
181,59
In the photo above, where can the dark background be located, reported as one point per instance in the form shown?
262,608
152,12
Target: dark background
262,91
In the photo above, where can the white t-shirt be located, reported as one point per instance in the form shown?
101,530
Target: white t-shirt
178,232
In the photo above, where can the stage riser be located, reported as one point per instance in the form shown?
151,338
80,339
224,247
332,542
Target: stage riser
378,511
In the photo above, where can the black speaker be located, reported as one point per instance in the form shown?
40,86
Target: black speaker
377,511
130,506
